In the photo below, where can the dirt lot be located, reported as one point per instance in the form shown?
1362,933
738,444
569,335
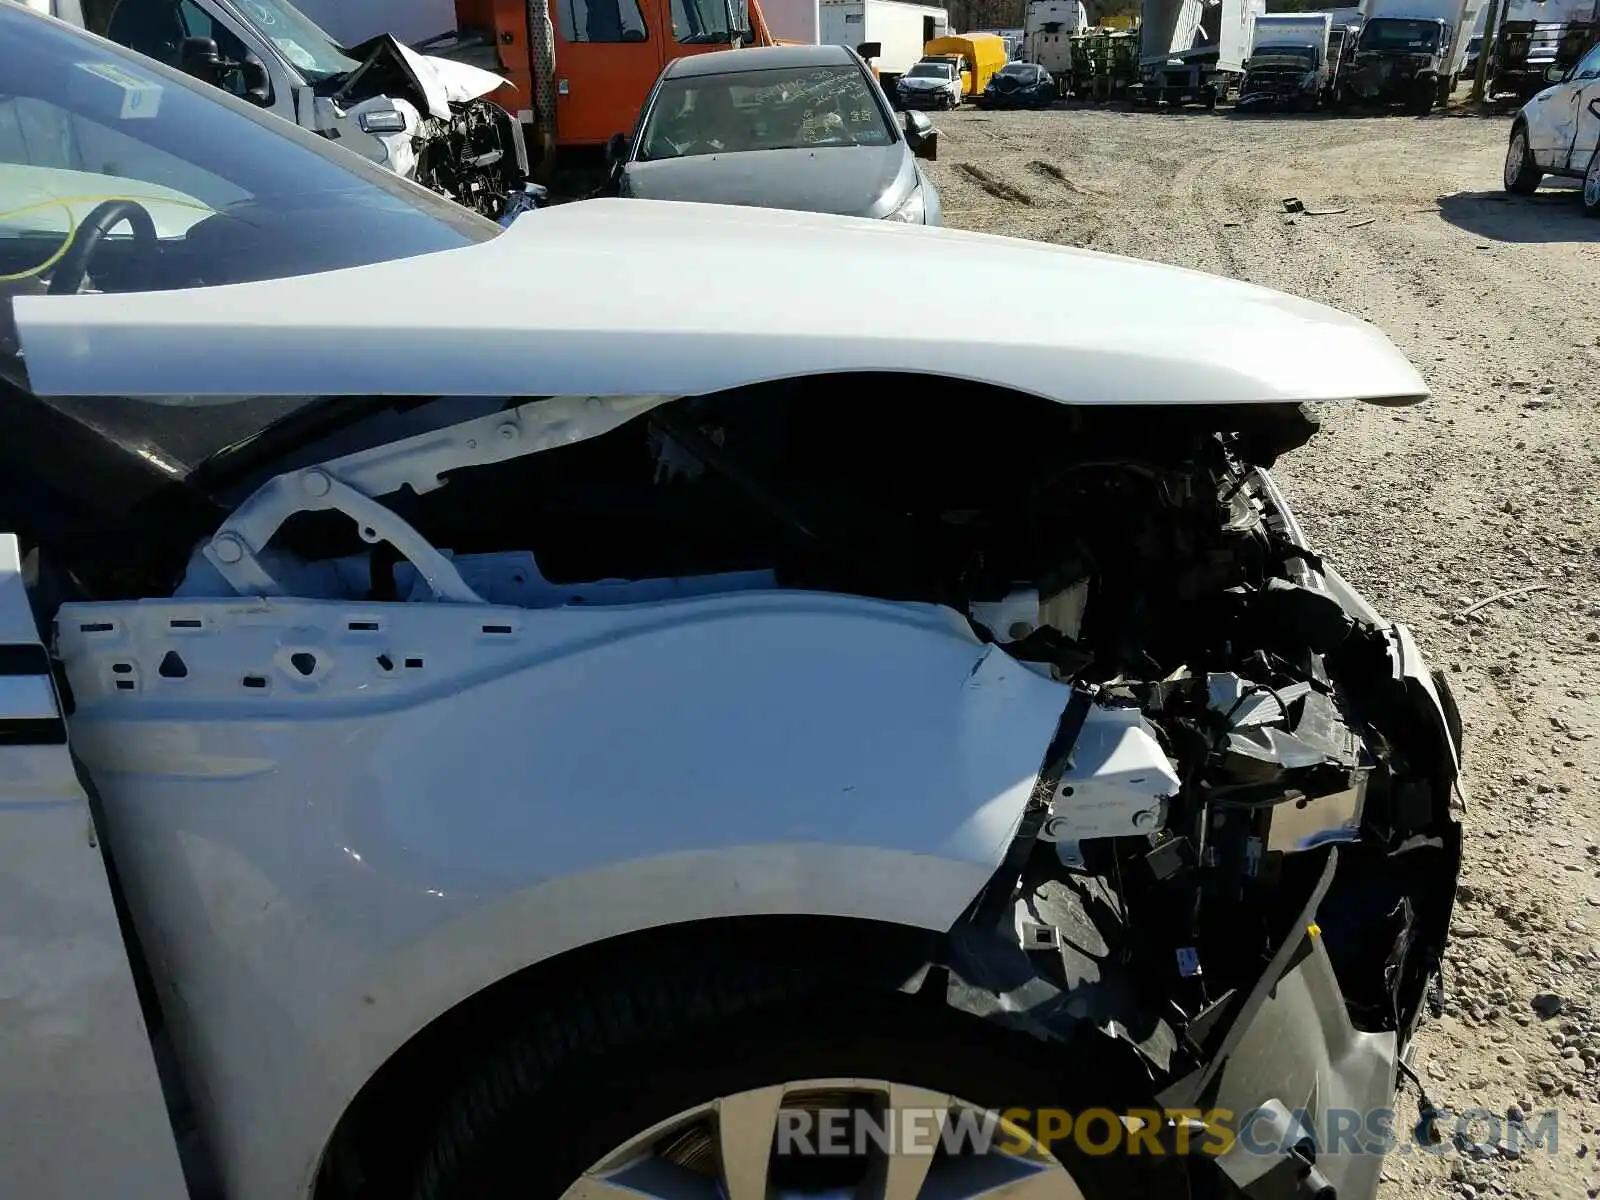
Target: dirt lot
1491,486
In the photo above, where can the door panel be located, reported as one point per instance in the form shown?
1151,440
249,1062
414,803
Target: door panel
81,1110
1564,115
1585,86
1552,125
1587,137
608,54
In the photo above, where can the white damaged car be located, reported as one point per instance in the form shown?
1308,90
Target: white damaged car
534,724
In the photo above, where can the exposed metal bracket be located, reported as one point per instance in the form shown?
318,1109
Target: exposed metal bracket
349,484
236,547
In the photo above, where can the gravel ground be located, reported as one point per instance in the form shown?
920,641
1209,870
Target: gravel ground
1489,487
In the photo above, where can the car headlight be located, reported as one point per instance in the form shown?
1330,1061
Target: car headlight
911,210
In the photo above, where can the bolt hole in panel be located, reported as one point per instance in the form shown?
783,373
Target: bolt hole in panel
254,681
414,664
173,667
186,623
303,662
385,663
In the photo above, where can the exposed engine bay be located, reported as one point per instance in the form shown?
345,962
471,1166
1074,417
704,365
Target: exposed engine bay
454,142
1237,754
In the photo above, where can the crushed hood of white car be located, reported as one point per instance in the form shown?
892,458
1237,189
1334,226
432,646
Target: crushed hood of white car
612,298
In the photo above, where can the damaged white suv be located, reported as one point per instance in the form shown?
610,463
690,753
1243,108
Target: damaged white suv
566,716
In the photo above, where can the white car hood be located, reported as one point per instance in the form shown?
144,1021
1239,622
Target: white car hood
637,297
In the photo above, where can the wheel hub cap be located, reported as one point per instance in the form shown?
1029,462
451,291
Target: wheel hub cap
1515,153
840,1139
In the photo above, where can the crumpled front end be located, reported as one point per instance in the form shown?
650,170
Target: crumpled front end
1391,77
429,119
1279,81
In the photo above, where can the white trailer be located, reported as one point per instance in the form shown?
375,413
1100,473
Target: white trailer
1191,51
899,29
794,20
1047,34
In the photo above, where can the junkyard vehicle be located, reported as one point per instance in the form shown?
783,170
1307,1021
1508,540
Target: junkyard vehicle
1529,53
935,85
1047,37
425,118
496,747
896,31
1193,53
977,55
1558,133
1019,85
1409,52
800,127
1291,61
958,66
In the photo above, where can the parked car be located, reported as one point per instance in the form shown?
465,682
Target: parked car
1019,85
1558,133
928,84
572,710
424,117
803,127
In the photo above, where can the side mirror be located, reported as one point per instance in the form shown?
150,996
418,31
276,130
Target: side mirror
199,56
616,152
921,136
1555,74
257,83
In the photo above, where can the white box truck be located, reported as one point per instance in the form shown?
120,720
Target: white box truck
794,20
1410,52
1290,63
896,28
1191,51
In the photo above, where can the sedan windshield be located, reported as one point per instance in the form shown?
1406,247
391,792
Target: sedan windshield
780,108
930,71
1389,34
119,175
1019,72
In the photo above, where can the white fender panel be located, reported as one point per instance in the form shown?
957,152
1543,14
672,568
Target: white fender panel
336,857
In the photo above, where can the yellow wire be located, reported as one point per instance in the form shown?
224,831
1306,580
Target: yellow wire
72,226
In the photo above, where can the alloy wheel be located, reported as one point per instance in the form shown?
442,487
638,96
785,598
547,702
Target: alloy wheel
812,1139
1516,154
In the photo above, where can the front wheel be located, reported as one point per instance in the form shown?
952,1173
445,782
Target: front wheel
744,1088
1522,174
1591,187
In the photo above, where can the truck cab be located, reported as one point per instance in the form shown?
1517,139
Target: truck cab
1410,52
607,53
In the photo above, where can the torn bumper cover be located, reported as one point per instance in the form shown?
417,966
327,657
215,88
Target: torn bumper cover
1252,953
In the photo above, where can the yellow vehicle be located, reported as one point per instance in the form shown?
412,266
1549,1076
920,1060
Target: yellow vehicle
981,54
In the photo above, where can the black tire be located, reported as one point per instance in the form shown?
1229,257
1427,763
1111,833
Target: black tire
1521,175
585,1077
